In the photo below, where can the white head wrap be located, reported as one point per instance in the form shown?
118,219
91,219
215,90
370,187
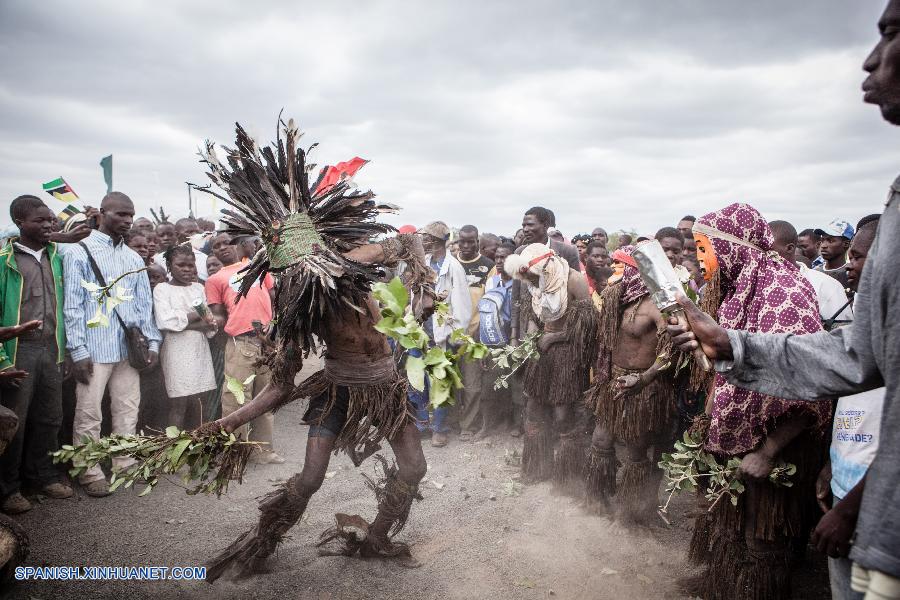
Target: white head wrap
550,297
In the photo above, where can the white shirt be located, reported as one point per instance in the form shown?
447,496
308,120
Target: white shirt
37,254
452,280
829,292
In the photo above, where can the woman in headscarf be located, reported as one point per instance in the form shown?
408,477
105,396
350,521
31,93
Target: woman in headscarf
560,305
747,546
633,396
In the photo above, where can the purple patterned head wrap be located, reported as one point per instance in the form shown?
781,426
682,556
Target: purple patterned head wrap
761,292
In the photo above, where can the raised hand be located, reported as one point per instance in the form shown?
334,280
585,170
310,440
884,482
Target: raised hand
701,332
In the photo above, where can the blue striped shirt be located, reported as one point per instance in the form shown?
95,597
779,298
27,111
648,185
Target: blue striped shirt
105,344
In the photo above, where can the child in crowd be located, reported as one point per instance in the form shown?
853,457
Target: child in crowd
213,265
185,320
137,241
152,243
156,274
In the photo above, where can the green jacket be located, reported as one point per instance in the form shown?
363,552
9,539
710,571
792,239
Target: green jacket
11,300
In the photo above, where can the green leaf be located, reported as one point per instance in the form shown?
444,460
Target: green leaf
236,387
179,449
398,292
435,356
439,393
172,432
415,372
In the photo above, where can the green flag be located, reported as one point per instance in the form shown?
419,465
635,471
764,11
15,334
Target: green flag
106,163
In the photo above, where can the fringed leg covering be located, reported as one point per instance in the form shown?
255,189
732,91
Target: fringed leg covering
569,463
701,538
395,498
636,500
600,476
537,453
761,572
280,510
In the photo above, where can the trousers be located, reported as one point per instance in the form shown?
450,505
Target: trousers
125,394
37,403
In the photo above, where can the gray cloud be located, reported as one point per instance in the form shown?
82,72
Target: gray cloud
611,113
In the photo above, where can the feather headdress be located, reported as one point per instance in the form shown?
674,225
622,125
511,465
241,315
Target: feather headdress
305,230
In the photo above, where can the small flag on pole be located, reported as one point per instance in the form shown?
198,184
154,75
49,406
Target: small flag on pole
62,191
106,163
68,212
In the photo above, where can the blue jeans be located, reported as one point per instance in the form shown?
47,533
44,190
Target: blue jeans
420,401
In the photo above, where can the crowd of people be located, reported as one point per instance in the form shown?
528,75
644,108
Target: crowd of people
603,375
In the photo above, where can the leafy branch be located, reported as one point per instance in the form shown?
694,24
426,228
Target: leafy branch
108,296
212,459
513,357
438,365
689,464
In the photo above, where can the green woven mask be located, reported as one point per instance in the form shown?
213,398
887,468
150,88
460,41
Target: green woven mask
290,242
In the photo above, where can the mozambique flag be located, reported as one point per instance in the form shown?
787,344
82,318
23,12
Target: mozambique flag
62,191
68,212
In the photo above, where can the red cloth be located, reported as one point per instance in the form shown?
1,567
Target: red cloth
343,170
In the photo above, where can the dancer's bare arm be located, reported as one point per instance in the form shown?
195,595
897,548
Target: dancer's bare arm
269,399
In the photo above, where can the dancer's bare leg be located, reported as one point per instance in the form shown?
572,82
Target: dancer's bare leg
397,493
280,510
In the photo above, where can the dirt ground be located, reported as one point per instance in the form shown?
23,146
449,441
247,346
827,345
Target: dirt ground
478,534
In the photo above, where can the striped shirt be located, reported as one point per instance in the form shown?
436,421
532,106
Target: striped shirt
105,344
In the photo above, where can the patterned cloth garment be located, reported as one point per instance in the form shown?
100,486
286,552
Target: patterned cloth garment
632,285
761,292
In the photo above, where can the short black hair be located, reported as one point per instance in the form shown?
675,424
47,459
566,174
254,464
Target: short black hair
810,233
582,237
507,245
184,220
178,249
690,218
134,233
669,232
873,218
23,206
543,215
594,244
784,232
469,229
626,236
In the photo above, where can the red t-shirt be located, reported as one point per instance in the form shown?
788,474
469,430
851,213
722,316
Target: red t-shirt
222,288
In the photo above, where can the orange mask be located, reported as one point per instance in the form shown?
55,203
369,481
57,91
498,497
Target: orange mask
618,272
706,256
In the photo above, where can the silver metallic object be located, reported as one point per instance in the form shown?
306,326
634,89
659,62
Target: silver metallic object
662,281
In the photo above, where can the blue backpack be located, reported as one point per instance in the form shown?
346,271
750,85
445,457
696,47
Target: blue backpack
493,328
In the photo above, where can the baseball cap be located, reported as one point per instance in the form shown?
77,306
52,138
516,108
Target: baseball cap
837,228
436,229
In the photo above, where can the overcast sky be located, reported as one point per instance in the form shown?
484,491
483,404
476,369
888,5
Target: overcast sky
620,114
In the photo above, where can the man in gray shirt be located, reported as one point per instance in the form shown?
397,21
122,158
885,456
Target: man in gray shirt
862,356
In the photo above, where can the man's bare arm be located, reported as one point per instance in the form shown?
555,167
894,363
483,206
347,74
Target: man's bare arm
367,254
759,463
267,400
578,287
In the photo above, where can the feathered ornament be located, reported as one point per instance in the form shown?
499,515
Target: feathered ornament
304,230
